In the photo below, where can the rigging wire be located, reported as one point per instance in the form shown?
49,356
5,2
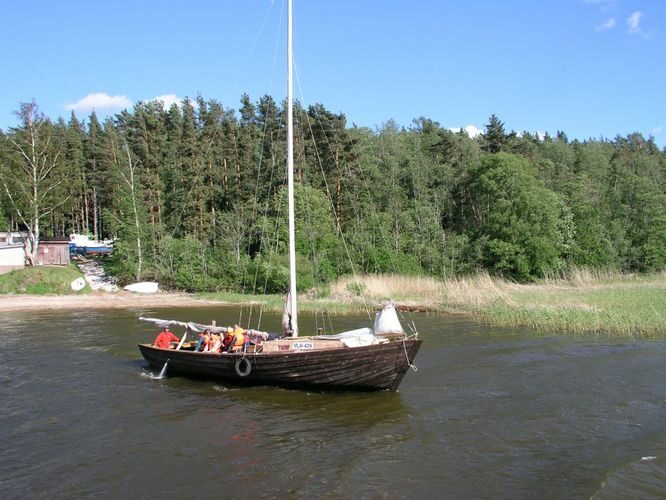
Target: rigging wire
221,119
218,123
364,182
329,195
214,135
260,161
347,168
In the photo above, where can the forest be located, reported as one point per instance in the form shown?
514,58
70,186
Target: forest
194,196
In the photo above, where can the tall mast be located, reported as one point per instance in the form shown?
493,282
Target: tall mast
290,183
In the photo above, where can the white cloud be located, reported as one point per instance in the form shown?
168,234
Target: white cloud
472,130
634,22
606,25
657,130
168,100
100,101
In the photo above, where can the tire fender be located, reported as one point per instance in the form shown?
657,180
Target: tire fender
243,367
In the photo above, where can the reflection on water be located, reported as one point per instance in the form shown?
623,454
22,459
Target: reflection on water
491,413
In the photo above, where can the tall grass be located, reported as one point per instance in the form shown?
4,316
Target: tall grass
624,305
387,287
581,301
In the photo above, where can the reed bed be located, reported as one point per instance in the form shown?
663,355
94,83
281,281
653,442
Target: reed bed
623,308
581,301
386,287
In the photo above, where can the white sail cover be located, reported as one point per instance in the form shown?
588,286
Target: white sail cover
353,338
387,322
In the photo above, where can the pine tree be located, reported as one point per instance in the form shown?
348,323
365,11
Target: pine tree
495,136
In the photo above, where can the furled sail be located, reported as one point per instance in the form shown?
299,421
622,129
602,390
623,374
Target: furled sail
253,335
387,322
287,327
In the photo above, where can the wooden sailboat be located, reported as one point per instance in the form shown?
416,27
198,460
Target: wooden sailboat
371,358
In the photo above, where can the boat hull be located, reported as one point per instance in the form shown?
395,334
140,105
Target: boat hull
369,368
91,250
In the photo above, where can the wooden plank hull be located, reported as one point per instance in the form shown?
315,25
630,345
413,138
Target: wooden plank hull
369,368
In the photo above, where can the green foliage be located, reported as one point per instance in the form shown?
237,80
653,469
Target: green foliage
122,263
194,196
4,220
516,218
188,264
316,239
495,137
271,274
385,260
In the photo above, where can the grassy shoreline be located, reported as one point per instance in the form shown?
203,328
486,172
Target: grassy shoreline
41,280
583,302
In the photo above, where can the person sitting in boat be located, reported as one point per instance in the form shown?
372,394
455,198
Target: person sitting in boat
215,343
164,338
234,339
204,337
208,342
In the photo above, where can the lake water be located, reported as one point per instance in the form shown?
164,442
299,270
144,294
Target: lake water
490,413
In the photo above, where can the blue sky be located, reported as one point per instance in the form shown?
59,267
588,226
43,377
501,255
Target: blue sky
592,68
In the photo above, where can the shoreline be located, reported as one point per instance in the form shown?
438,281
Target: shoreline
630,311
102,300
130,300
123,299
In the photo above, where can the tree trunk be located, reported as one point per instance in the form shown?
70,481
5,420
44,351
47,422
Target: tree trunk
137,224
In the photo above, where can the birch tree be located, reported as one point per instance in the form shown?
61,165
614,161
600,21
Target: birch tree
28,175
131,183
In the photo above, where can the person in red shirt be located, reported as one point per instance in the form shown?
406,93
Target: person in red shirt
164,338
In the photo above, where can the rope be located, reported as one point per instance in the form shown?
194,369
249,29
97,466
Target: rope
409,363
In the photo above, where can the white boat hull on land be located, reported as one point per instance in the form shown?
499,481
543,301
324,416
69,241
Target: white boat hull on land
142,287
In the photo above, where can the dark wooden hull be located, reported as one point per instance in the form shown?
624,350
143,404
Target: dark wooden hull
370,368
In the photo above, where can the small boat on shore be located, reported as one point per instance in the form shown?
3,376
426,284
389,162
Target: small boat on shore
143,287
81,244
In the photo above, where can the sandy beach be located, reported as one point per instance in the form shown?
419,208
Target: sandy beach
101,300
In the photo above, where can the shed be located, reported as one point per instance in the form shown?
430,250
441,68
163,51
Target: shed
12,257
12,252
53,251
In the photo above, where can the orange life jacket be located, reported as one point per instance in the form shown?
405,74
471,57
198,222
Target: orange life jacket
239,333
